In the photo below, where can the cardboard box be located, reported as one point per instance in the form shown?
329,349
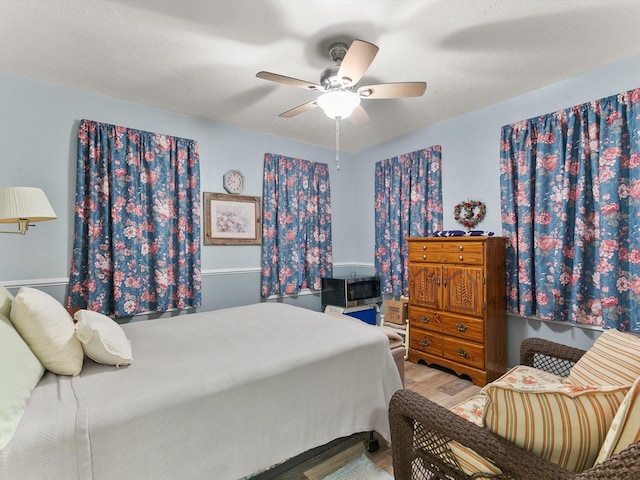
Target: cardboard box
396,311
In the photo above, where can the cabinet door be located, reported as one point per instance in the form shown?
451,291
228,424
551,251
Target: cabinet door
463,290
424,286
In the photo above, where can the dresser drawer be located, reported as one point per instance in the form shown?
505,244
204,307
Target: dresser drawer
425,319
425,252
426,342
470,329
463,253
463,352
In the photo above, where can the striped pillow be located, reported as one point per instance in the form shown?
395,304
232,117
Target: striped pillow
625,427
614,359
564,424
472,410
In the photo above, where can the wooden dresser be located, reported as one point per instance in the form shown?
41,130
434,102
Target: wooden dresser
457,304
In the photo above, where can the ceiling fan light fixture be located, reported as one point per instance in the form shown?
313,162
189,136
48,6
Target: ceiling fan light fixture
338,104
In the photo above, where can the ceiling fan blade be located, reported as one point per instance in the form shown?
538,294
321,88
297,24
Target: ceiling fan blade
299,109
356,62
359,116
293,82
393,90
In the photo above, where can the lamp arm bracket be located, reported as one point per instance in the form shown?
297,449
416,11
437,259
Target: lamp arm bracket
23,226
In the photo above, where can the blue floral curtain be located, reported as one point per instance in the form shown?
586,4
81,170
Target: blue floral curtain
137,221
296,225
408,203
570,192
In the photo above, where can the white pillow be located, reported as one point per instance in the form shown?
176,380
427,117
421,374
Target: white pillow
20,371
5,301
48,329
102,338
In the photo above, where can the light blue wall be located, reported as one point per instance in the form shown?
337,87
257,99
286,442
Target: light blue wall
470,170
38,122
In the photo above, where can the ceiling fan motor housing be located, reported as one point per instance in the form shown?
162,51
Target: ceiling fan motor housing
329,77
337,51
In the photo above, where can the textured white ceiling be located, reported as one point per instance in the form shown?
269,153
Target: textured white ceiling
200,57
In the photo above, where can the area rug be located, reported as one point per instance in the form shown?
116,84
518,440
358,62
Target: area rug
359,469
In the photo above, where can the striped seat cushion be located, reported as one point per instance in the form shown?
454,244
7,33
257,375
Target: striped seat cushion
562,423
614,359
625,427
470,462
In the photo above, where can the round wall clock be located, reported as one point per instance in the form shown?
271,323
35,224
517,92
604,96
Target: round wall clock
233,181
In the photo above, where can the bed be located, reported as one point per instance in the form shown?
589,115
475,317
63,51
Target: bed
220,394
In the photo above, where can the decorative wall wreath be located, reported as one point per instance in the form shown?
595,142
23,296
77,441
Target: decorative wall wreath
469,213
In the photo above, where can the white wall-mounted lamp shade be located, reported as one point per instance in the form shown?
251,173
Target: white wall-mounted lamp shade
22,205
339,103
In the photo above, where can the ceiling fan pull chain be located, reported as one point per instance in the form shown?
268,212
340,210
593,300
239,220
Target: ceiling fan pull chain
337,143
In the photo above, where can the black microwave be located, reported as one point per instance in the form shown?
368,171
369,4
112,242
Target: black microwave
351,291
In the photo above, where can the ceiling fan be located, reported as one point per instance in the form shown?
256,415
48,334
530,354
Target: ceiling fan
338,84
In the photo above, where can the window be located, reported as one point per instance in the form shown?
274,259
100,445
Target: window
408,203
296,220
137,221
570,194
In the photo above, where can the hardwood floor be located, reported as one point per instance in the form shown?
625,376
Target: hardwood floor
439,385
436,384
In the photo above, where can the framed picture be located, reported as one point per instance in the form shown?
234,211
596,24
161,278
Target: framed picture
232,219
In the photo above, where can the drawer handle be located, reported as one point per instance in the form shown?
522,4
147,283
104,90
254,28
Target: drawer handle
425,319
424,342
424,247
461,327
462,353
424,257
461,247
460,257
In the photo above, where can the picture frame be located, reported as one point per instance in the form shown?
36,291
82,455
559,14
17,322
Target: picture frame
232,219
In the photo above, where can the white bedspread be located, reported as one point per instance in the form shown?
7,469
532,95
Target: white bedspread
216,395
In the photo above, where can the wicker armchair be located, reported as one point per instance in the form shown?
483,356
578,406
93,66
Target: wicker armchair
421,431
